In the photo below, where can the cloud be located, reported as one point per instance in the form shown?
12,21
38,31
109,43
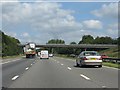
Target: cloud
25,34
41,16
112,30
107,10
113,25
42,21
92,24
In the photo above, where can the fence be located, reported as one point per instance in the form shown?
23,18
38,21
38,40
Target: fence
112,60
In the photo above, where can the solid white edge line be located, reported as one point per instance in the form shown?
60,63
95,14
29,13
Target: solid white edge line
15,77
27,68
111,67
69,68
11,61
84,77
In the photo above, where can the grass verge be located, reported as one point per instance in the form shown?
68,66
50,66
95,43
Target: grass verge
111,64
10,57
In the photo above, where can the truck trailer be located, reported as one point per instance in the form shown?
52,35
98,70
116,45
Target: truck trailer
30,50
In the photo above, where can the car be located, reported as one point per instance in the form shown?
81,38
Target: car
72,55
104,56
50,55
90,58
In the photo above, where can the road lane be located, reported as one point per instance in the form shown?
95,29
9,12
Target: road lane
56,72
50,74
103,76
12,69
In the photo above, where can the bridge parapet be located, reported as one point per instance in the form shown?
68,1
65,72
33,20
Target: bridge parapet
77,45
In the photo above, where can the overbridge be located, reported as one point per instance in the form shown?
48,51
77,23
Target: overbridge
103,46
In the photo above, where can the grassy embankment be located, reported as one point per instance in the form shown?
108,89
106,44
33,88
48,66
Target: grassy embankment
10,57
113,52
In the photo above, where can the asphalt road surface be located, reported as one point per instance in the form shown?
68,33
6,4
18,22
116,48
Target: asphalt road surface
56,72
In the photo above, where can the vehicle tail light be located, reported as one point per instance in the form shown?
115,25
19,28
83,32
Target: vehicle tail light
85,58
100,58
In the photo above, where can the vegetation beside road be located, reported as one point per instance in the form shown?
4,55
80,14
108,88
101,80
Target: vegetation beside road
11,57
10,48
112,52
109,64
10,45
86,39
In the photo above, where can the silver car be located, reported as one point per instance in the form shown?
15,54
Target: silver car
89,58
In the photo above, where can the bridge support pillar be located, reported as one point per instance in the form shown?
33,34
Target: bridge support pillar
52,50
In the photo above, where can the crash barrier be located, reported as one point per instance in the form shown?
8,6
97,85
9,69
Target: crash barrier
112,60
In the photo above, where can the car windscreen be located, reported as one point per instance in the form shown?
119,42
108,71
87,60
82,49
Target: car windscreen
91,54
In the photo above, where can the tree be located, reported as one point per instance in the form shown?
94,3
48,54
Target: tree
118,40
56,41
10,45
103,40
73,43
87,39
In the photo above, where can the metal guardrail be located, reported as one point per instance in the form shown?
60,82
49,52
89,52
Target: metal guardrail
112,60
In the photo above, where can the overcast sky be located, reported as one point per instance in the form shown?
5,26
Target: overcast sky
41,21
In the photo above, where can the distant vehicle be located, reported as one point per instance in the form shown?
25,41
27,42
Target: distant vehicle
89,58
50,55
44,54
38,53
72,55
104,56
30,50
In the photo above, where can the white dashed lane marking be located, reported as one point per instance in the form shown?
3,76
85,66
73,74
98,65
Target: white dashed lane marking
69,68
62,64
84,77
15,77
27,68
103,86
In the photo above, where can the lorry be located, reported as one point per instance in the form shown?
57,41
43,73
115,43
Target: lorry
44,54
30,50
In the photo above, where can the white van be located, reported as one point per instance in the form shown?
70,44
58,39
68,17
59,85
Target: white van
44,54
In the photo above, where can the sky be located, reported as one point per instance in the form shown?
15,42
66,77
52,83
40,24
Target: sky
39,22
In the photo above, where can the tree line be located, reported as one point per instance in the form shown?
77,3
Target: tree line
10,45
86,39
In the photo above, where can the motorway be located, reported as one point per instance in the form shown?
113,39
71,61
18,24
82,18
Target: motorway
56,72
